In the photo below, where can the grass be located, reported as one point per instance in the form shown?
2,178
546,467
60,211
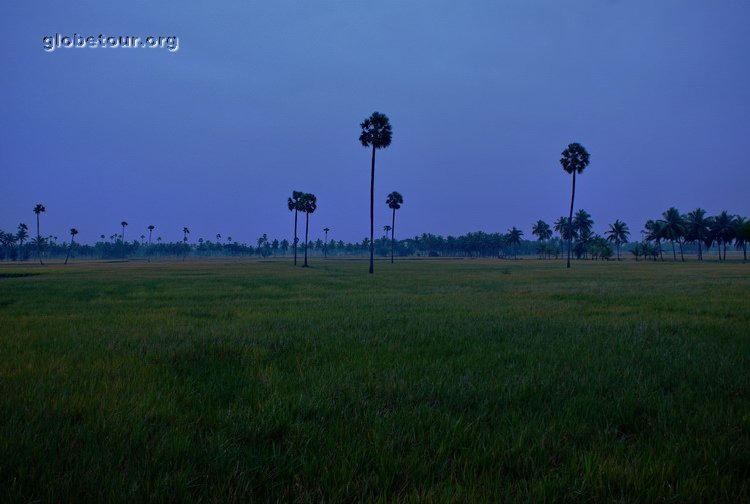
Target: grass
429,381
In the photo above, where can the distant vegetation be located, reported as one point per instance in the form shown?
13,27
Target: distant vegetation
669,237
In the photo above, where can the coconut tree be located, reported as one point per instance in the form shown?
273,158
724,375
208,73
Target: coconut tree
376,133
513,238
73,233
574,160
618,234
723,231
655,232
696,229
21,235
394,202
308,204
325,245
293,204
673,229
561,224
38,209
122,236
542,232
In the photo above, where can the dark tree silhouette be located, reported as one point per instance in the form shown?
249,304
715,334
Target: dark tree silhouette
73,233
394,202
293,204
561,226
325,245
574,160
543,232
618,234
742,236
39,208
673,229
514,239
376,133
21,235
696,229
723,230
308,204
122,236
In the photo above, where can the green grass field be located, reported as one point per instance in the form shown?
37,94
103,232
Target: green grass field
439,381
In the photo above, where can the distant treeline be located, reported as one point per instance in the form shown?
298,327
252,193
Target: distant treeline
692,233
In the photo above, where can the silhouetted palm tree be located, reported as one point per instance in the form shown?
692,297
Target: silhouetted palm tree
218,237
723,231
655,233
123,224
376,133
73,233
696,229
39,208
308,204
325,246
618,234
542,232
574,160
673,229
514,239
561,225
293,204
150,228
394,202
21,235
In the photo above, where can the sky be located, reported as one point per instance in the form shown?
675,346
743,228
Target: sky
265,97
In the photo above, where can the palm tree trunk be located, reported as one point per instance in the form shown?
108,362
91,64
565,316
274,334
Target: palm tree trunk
372,209
307,223
393,232
38,241
295,237
700,251
725,250
682,256
69,248
570,218
674,253
325,248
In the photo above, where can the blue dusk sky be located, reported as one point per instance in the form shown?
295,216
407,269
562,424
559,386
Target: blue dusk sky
265,97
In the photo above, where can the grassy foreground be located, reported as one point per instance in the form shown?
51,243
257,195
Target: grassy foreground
429,381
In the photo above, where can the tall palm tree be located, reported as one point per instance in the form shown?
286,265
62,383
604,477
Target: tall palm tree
618,234
73,233
308,204
574,160
21,235
293,204
376,133
39,208
394,202
123,224
386,228
696,229
674,229
325,246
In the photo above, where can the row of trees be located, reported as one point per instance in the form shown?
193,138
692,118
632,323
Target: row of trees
694,232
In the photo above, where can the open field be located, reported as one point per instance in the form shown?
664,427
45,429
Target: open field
431,380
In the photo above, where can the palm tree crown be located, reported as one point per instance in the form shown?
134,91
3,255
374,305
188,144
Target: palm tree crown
394,200
376,131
